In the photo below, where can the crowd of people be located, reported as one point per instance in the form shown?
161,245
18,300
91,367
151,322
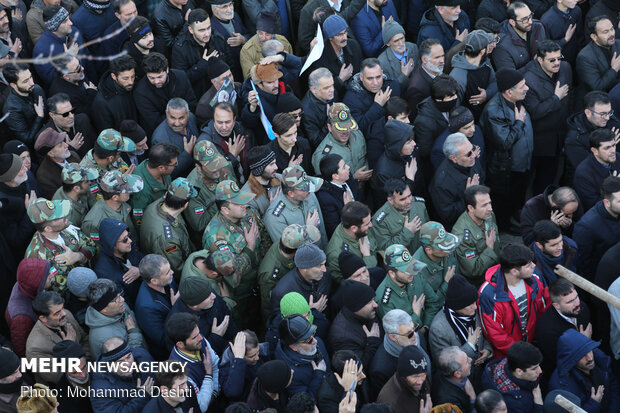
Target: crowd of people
352,206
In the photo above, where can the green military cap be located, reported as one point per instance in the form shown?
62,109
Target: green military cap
340,117
115,182
43,210
398,257
433,234
296,235
208,156
295,177
112,140
73,173
182,189
228,190
226,265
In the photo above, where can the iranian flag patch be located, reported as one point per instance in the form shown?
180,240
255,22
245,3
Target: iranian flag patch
199,211
470,254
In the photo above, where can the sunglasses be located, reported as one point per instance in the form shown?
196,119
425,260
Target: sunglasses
555,59
409,335
309,340
469,154
65,114
124,240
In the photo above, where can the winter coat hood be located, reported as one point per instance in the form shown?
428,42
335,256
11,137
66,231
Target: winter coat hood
459,60
572,347
109,88
109,231
357,86
32,275
396,134
95,319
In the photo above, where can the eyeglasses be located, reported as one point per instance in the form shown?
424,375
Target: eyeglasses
496,39
309,340
604,114
79,69
409,335
173,165
65,114
124,240
526,18
555,59
298,115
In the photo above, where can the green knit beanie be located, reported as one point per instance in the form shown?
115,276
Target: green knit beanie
295,303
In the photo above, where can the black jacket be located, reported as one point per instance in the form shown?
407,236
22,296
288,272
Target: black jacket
445,391
347,333
168,21
23,121
352,55
81,124
315,119
382,367
14,222
493,9
80,97
419,89
114,105
588,178
151,101
331,394
609,8
331,201
293,281
556,22
428,125
547,111
594,69
448,187
204,110
187,57
606,273
302,147
538,7
512,52
577,144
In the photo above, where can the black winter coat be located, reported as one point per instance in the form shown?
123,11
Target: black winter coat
577,144
293,281
151,101
352,55
444,391
315,120
594,68
428,125
546,110
512,52
81,98
331,394
347,333
331,201
493,9
23,122
382,367
588,178
113,105
538,7
606,273
419,89
609,8
14,222
168,21
556,22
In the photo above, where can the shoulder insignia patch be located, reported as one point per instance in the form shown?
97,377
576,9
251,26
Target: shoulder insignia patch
466,235
199,211
168,232
221,245
419,199
345,246
170,249
327,149
138,212
380,217
275,272
94,188
470,254
94,237
386,295
278,209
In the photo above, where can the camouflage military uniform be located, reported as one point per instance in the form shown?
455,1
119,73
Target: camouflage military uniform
222,258
42,211
473,254
153,189
275,265
388,225
73,174
341,241
163,234
223,234
391,295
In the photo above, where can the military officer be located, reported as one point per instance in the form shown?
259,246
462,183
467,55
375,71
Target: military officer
76,182
477,229
344,139
400,218
280,259
163,230
296,204
115,188
238,229
404,289
352,235
211,168
437,252
58,241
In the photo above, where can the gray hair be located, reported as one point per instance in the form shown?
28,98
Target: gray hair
150,267
318,74
393,319
176,104
271,47
564,195
452,144
447,361
98,288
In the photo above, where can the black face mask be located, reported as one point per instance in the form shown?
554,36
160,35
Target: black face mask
11,388
446,106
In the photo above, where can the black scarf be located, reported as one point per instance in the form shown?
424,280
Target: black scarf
460,324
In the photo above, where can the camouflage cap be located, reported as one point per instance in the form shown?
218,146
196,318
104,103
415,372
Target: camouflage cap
43,210
295,177
73,173
340,117
228,190
226,265
296,235
399,258
434,234
182,189
115,182
208,156
111,140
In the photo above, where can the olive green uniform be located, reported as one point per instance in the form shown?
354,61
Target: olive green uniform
435,271
340,242
88,161
101,210
473,255
388,225
79,208
190,270
353,153
272,268
153,190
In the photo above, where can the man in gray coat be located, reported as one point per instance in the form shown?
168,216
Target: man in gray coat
400,58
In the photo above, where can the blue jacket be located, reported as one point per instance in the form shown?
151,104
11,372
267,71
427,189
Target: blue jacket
237,376
367,28
595,233
113,268
589,176
93,25
152,308
432,26
116,401
51,45
556,22
517,393
437,151
305,378
572,347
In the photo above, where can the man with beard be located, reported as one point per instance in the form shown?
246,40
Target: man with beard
262,181
24,105
368,23
548,104
54,148
179,129
445,22
54,325
193,48
11,380
518,45
304,353
76,182
114,102
566,312
71,80
551,248
461,120
352,235
419,87
600,163
56,240
140,42
598,64
124,11
191,347
476,228
400,57
228,24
